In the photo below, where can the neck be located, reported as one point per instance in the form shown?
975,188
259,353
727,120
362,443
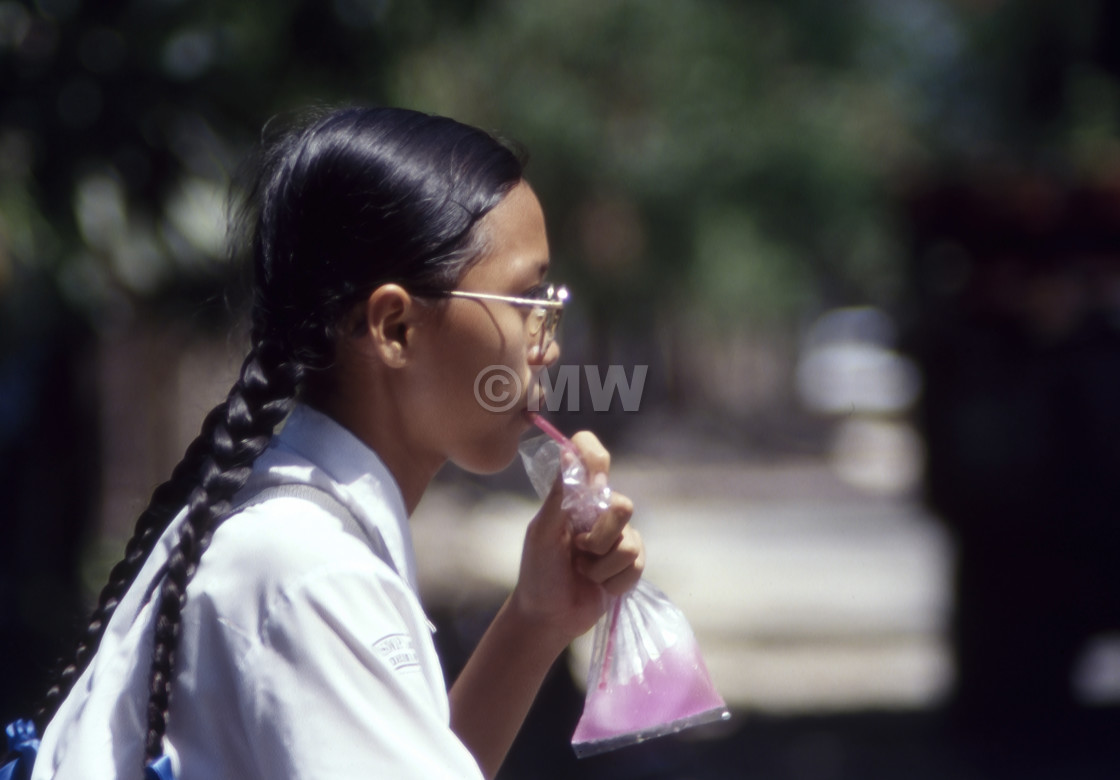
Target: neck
374,418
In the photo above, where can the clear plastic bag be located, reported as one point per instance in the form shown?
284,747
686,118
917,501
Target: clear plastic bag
647,677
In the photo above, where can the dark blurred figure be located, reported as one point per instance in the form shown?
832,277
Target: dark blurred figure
1018,332
49,478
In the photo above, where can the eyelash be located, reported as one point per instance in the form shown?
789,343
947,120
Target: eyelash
534,292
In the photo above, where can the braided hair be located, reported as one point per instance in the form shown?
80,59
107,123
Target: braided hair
348,201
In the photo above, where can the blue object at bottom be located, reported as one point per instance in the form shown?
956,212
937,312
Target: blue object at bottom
159,769
24,742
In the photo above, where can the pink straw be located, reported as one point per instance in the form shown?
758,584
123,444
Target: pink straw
554,434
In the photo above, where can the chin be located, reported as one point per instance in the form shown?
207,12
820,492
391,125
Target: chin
491,454
485,466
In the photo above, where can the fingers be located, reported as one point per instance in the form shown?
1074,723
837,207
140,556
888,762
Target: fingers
618,570
611,554
595,457
624,581
605,534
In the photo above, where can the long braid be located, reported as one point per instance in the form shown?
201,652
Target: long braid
262,397
165,503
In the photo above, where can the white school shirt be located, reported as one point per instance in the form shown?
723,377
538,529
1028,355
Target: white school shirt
302,654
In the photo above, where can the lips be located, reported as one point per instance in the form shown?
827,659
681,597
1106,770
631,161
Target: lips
534,396
533,403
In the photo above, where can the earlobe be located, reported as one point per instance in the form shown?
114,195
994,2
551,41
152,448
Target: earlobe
389,317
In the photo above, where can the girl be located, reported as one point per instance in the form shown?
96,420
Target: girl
257,631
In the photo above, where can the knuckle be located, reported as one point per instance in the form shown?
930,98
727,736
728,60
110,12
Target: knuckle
602,545
622,507
640,566
633,552
636,537
595,455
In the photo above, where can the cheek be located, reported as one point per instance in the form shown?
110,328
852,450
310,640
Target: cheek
477,367
471,416
489,340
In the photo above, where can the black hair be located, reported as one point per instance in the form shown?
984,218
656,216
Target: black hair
335,207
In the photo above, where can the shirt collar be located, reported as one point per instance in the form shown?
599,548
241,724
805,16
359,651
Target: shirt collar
364,482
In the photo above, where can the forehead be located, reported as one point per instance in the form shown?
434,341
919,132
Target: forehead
516,244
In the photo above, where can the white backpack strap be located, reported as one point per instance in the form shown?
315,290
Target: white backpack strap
330,504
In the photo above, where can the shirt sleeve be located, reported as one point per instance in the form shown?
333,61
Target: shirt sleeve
342,685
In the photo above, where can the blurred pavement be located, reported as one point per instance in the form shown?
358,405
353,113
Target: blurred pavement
822,611
805,594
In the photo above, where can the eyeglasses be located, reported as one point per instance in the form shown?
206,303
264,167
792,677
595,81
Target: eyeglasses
544,311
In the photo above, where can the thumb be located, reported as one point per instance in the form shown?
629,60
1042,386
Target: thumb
551,520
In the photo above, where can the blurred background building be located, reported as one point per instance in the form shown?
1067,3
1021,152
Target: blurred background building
868,251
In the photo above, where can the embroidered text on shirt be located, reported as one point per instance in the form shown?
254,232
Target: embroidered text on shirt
397,651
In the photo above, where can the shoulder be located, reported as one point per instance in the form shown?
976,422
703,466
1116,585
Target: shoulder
291,535
286,549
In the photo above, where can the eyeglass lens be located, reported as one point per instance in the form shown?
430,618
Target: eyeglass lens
542,326
544,320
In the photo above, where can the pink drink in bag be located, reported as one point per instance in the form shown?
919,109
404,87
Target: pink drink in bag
647,677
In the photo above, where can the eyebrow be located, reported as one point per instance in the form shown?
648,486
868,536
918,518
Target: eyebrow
535,270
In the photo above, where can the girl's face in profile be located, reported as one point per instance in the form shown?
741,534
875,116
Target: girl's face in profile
479,367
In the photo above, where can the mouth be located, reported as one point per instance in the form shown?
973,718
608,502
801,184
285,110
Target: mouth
529,411
534,397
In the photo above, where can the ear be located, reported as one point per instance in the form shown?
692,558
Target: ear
391,315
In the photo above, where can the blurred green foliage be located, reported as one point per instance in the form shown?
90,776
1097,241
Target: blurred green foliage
736,161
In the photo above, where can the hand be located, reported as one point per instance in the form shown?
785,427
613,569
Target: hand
566,578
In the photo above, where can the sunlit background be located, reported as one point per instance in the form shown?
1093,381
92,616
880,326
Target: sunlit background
867,252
